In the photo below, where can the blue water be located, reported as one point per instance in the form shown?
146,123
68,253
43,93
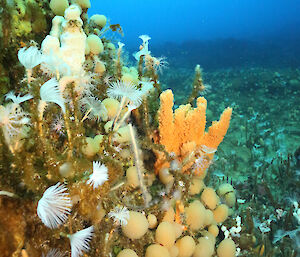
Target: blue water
179,21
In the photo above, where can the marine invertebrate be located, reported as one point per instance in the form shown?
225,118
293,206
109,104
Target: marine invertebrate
12,118
17,99
73,39
143,48
120,90
49,92
157,64
120,215
183,132
13,121
130,108
30,57
107,80
99,175
129,94
54,253
80,241
160,63
54,65
54,206
58,125
93,108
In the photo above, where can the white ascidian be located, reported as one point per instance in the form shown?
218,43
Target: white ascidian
120,215
80,241
99,176
54,207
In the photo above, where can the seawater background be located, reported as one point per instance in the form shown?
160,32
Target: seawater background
265,29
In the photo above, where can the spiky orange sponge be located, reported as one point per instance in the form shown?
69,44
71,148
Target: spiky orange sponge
183,131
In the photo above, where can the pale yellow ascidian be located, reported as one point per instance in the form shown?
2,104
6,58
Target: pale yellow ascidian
165,234
204,248
66,170
99,20
169,215
197,185
127,253
178,228
84,4
165,177
209,217
221,213
129,78
59,6
137,225
156,250
132,177
95,44
186,246
112,106
195,215
152,220
99,68
92,145
226,248
123,135
214,230
209,198
227,193
173,251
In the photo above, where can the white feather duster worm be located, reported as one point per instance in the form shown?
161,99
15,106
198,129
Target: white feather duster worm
54,207
99,176
54,253
120,215
30,57
50,92
80,241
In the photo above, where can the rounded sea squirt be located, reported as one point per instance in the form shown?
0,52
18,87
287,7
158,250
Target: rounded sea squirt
186,246
210,198
127,253
195,215
157,250
226,248
99,20
137,225
221,213
204,248
95,44
165,234
227,194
